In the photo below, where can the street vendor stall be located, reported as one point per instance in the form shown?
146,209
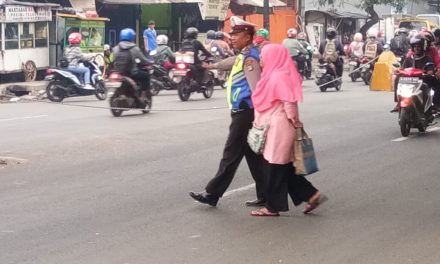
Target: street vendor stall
24,37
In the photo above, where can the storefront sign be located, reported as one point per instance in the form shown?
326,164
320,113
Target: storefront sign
25,14
214,9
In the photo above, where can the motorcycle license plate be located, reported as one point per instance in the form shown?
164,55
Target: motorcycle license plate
322,71
408,80
179,73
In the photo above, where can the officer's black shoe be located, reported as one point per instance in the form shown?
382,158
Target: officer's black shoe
205,198
257,203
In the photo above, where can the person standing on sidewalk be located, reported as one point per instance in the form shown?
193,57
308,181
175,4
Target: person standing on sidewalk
243,78
150,35
276,101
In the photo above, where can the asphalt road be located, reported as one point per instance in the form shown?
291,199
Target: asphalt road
90,188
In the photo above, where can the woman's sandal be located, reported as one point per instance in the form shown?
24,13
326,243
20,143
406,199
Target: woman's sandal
314,203
263,212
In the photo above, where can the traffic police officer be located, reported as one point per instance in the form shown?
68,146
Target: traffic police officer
242,81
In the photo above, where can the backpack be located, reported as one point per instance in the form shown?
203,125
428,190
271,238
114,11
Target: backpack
123,61
330,53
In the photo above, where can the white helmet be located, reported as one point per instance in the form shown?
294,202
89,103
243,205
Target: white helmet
372,34
291,33
106,47
162,40
357,37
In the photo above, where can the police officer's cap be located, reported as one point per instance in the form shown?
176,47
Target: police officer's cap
239,25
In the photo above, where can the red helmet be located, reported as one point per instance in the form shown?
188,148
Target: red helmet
75,38
428,36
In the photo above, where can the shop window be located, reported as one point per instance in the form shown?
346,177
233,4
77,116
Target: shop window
41,35
26,35
11,36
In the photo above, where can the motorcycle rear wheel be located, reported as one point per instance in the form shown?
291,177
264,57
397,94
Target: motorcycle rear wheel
405,121
323,89
51,89
101,90
155,89
114,103
367,78
183,91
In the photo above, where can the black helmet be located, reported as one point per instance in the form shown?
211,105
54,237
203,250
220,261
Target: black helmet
331,33
436,32
210,34
191,32
219,35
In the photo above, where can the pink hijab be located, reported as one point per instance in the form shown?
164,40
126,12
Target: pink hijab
280,80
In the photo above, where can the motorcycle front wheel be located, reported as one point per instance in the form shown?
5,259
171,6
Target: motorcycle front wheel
147,108
209,90
367,78
55,92
155,88
101,90
405,121
184,91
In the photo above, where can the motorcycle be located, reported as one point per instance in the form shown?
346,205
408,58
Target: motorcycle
308,63
414,95
355,72
161,78
63,83
126,96
220,76
301,64
184,79
326,76
367,70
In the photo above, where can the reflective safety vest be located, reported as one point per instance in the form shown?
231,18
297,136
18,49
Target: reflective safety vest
371,50
238,89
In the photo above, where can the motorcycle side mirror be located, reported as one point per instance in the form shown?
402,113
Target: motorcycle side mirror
137,60
153,53
429,66
309,48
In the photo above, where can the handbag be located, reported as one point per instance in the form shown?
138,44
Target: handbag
305,160
257,135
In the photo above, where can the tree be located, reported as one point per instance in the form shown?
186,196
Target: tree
368,6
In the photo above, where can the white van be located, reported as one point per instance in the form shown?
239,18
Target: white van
434,18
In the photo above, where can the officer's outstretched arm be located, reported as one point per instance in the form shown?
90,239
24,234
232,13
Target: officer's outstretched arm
252,71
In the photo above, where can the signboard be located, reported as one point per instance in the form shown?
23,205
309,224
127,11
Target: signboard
25,14
214,9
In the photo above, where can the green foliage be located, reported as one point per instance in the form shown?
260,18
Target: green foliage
369,4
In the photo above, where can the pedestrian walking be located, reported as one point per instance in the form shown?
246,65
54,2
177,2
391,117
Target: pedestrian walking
150,43
276,101
243,78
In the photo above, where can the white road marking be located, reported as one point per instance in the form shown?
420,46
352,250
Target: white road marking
406,138
22,118
244,188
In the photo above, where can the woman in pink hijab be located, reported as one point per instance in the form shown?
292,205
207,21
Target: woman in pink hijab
275,102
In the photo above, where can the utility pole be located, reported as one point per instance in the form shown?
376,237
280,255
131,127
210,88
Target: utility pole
266,19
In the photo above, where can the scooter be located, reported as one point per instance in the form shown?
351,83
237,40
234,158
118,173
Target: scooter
414,95
63,83
326,76
367,70
355,72
183,77
161,78
126,96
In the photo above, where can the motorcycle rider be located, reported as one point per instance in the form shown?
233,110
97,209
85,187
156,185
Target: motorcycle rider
295,48
164,52
221,45
372,48
191,44
302,39
74,56
331,50
129,61
210,38
400,44
436,33
355,48
261,38
109,57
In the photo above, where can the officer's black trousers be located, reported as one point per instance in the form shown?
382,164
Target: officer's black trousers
235,148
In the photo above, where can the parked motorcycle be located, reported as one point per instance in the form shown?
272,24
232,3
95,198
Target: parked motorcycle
63,83
183,77
367,70
161,78
326,76
415,95
127,96
355,72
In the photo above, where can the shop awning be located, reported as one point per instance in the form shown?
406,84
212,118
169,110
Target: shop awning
259,3
13,2
143,2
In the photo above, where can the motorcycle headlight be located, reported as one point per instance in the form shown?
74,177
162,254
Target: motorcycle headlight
405,90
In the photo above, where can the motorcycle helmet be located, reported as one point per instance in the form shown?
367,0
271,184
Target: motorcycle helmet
162,40
403,31
302,36
263,33
429,37
291,33
127,34
436,32
372,34
219,35
75,38
358,37
106,47
418,40
210,34
331,33
191,32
